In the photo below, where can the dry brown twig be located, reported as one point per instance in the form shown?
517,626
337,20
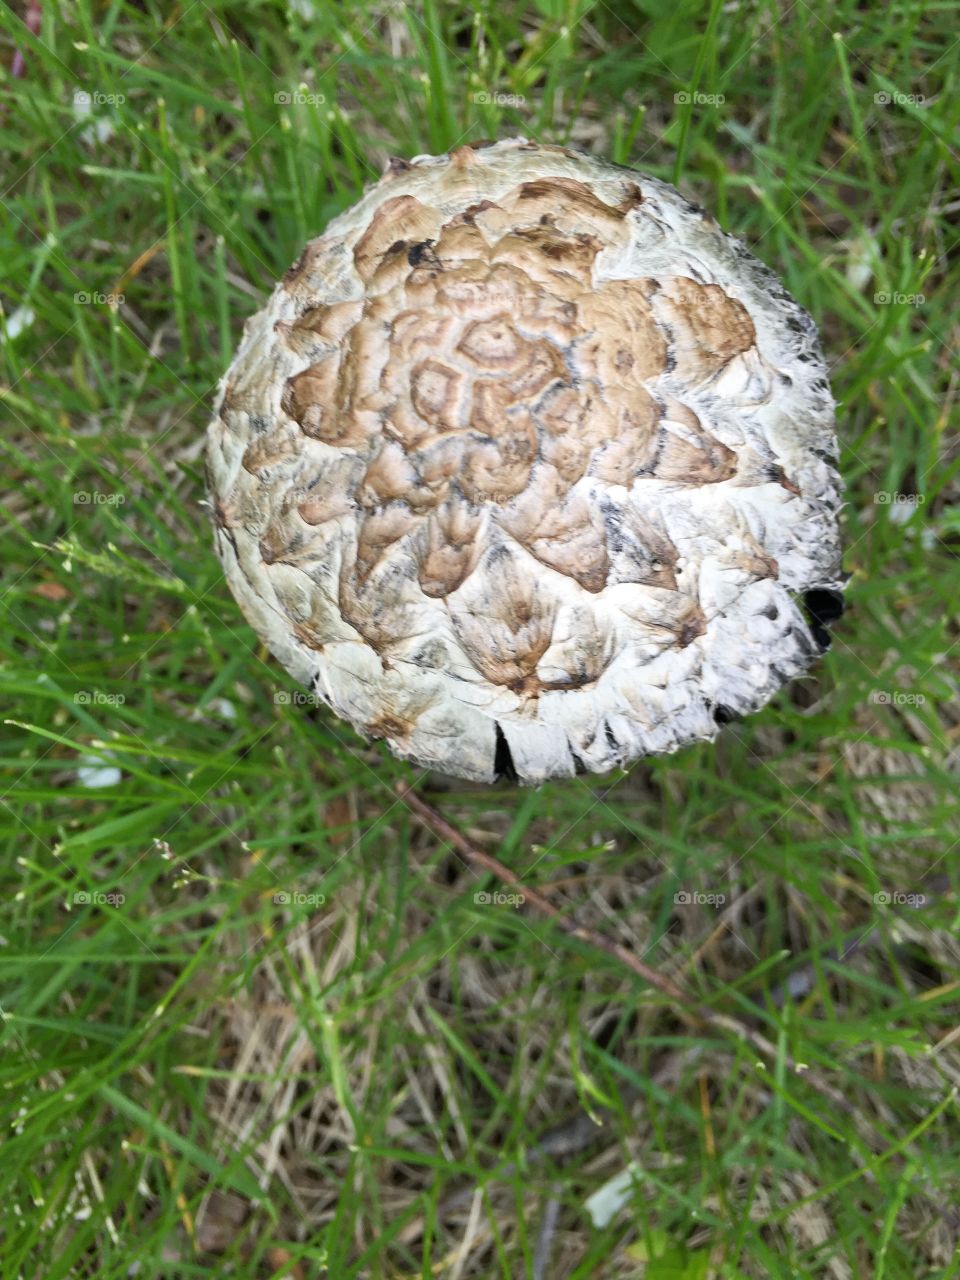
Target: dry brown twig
686,1004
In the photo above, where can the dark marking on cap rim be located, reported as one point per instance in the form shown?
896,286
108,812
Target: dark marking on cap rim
503,766
823,607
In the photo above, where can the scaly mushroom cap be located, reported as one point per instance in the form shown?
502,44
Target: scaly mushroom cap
524,464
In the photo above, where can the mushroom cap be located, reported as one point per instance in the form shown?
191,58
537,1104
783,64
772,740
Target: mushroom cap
525,464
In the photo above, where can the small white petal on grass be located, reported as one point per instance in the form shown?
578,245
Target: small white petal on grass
16,322
608,1200
98,130
93,773
901,512
863,257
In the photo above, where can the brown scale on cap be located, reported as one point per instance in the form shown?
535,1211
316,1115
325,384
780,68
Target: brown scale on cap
492,410
270,450
506,632
709,328
450,548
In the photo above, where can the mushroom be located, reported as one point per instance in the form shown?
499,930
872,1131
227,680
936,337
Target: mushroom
527,468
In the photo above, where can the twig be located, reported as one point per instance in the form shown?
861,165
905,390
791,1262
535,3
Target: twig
582,1130
439,825
726,1023
548,1228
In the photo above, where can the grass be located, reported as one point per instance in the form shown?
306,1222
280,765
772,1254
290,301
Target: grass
255,1021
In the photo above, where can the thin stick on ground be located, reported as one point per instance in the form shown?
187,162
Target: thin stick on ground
685,1001
477,858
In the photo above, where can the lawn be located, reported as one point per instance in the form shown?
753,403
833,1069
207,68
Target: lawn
263,1013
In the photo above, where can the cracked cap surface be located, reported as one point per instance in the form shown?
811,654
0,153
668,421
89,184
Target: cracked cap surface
524,466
